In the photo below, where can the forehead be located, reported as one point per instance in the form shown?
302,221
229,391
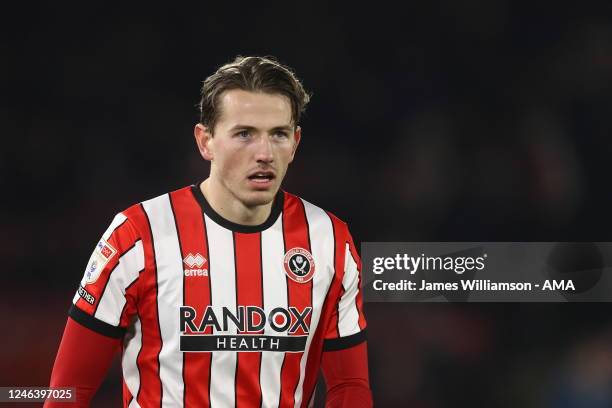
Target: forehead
257,109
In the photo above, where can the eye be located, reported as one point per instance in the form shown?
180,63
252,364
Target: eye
282,135
243,134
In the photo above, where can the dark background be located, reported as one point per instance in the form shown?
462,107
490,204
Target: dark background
478,120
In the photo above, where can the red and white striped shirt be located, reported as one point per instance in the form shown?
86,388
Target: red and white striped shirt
218,314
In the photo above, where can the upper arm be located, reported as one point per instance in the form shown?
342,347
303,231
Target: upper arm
347,324
107,294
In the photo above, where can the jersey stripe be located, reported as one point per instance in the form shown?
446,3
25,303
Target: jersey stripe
132,343
249,293
169,296
182,285
127,395
131,373
348,322
133,403
322,237
359,298
327,313
129,307
150,390
196,293
223,285
296,235
274,295
116,223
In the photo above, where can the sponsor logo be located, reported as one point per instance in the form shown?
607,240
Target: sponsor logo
194,264
88,297
200,343
102,254
249,322
299,265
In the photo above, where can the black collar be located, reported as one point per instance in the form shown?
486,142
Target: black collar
277,208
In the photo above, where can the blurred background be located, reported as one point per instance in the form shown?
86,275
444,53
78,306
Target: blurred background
479,120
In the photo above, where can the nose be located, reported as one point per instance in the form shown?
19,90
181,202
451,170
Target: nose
264,152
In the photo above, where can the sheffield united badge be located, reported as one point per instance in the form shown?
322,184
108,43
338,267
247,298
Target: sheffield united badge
299,265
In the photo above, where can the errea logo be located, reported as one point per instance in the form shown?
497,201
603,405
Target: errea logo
192,260
194,265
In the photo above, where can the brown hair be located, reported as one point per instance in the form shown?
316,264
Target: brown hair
255,74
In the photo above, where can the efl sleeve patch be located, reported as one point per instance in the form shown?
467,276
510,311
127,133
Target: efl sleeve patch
101,255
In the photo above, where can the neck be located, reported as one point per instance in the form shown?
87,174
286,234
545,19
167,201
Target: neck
228,206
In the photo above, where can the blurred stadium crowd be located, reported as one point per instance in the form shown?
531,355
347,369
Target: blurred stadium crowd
459,121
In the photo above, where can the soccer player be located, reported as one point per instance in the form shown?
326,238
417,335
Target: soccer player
230,292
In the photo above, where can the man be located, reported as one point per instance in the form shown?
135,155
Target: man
230,292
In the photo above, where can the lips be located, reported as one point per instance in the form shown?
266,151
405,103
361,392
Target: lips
262,176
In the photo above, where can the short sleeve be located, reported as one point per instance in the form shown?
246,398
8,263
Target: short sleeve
107,295
346,328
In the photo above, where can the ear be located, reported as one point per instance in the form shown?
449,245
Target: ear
204,139
297,136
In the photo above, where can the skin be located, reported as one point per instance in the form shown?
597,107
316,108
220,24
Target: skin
255,133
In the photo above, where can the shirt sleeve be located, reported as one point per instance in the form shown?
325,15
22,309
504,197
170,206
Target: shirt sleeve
346,377
346,328
82,361
107,294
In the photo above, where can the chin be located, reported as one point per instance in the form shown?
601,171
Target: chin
256,198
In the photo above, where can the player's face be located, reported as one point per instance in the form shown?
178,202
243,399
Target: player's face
253,143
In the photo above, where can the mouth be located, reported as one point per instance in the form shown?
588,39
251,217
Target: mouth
262,177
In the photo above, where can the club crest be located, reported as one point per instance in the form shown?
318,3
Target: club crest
299,265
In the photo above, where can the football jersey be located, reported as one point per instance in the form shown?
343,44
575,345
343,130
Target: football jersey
214,313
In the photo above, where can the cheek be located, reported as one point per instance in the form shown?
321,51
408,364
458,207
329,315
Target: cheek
231,162
284,153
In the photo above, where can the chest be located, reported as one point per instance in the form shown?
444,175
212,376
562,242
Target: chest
240,284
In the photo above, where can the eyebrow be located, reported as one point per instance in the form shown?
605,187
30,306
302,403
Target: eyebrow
286,128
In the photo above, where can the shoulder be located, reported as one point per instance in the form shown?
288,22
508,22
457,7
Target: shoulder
139,214
316,215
